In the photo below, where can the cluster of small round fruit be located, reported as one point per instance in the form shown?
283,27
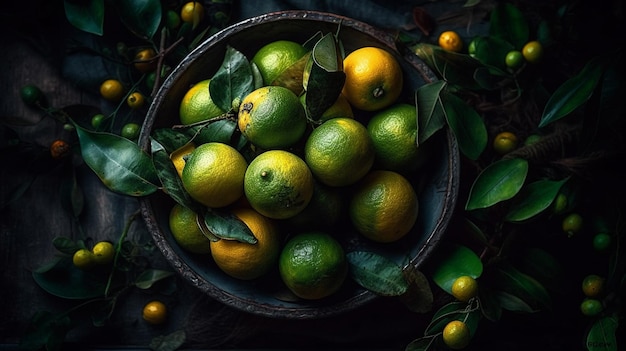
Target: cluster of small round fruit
299,177
102,253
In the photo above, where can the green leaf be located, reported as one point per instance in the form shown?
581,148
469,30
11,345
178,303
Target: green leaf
491,51
601,336
430,112
65,245
467,126
87,16
147,278
169,342
221,131
469,313
377,273
171,139
141,17
508,23
233,80
324,76
421,344
166,171
454,262
457,69
500,181
533,199
62,279
228,227
573,93
119,163
520,292
418,296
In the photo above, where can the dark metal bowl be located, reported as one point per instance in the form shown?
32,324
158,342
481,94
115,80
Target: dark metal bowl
438,186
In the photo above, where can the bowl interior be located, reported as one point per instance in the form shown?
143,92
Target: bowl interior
437,184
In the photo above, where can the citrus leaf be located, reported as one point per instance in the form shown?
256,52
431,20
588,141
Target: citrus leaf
170,139
467,126
421,344
520,291
469,313
500,181
119,163
508,23
429,110
166,171
573,93
147,278
62,279
141,17
292,77
228,227
418,296
601,336
65,245
533,199
457,69
87,16
377,273
221,131
490,51
323,76
454,262
233,80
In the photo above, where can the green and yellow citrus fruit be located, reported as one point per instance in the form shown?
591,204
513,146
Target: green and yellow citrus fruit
272,117
274,58
464,288
84,259
384,206
313,265
197,104
394,135
278,184
373,78
456,335
213,174
340,108
103,252
323,211
186,231
247,261
179,157
154,312
339,152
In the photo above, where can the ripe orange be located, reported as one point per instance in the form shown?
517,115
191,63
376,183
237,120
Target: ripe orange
192,12
112,90
373,78
384,206
249,261
450,41
144,60
155,312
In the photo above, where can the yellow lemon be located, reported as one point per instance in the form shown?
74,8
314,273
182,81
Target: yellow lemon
197,104
213,174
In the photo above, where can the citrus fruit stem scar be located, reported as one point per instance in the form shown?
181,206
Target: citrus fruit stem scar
378,92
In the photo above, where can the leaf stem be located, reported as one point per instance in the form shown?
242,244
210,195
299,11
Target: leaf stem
118,248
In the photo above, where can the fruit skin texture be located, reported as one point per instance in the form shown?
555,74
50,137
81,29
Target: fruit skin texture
278,184
143,62
514,59
373,78
179,157
60,149
83,259
505,142
249,261
275,57
213,174
272,117
130,131
532,51
103,252
313,265
192,12
135,100
197,104
185,230
593,285
591,307
450,41
464,288
155,312
394,135
339,152
112,90
384,206
456,335
572,224
601,241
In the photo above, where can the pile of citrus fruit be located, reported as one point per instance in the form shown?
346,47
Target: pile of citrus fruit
300,186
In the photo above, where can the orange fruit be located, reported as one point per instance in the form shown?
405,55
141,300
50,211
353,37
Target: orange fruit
505,142
533,51
103,252
456,335
83,259
246,261
155,312
213,174
278,184
339,152
394,135
112,90
274,58
183,223
192,12
313,265
464,288
384,206
593,285
450,41
373,78
144,60
197,104
272,117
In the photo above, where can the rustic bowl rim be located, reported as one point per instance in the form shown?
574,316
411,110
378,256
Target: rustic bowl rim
306,312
